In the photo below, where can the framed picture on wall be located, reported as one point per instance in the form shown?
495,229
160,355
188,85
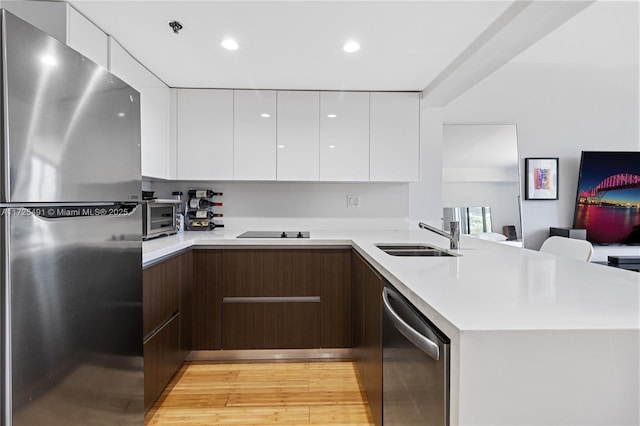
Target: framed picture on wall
541,178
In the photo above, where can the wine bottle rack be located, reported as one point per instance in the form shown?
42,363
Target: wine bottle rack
202,212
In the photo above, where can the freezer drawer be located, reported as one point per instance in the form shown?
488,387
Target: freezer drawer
73,304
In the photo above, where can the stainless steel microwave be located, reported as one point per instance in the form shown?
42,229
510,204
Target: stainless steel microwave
160,217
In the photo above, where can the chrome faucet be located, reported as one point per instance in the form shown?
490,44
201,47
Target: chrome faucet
454,236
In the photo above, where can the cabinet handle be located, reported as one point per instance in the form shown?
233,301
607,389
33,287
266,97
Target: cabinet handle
420,341
159,327
270,299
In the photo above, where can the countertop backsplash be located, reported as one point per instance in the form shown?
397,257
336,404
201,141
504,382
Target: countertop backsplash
303,205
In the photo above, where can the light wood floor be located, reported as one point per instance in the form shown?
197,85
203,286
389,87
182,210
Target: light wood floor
282,393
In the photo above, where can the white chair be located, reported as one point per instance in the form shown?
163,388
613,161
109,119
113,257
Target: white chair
568,247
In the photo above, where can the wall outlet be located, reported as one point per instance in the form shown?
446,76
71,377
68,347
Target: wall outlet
353,201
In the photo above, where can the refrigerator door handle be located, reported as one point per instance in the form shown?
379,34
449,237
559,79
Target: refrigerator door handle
5,308
75,211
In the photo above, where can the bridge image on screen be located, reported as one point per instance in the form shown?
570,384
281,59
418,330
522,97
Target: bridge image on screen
608,197
612,183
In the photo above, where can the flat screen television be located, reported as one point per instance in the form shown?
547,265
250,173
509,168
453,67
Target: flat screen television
608,197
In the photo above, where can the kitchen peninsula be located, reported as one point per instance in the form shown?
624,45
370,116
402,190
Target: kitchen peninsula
535,339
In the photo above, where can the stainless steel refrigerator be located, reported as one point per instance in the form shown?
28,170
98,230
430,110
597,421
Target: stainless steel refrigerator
70,237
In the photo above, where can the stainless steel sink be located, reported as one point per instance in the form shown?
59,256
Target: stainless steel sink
413,250
433,253
385,247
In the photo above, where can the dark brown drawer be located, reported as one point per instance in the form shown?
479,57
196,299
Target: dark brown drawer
162,358
271,273
160,293
271,325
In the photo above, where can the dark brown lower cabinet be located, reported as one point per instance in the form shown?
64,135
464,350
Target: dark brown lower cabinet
336,329
186,300
166,288
162,358
184,310
261,292
206,300
367,285
358,266
271,325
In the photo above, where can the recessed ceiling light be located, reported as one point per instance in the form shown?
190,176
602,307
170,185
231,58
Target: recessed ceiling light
229,44
280,146
265,115
332,146
351,46
331,116
121,114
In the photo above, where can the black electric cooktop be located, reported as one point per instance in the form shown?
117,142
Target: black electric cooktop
274,234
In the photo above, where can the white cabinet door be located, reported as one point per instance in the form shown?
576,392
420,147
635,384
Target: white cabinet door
66,24
254,141
49,16
125,66
154,123
298,149
395,136
154,112
205,134
344,136
86,38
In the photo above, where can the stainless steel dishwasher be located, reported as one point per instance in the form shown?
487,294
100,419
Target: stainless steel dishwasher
415,365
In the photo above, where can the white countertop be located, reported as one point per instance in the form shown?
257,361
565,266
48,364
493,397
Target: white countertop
489,287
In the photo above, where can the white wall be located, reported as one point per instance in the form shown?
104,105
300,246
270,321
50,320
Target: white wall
425,196
303,206
575,90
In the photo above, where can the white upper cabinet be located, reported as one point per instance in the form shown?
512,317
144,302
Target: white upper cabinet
49,16
298,149
60,20
127,68
395,136
205,134
254,129
86,38
344,136
158,157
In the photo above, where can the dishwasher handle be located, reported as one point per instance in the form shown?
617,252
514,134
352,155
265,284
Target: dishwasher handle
420,341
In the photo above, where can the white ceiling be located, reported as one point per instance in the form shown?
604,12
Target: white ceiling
296,44
606,34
